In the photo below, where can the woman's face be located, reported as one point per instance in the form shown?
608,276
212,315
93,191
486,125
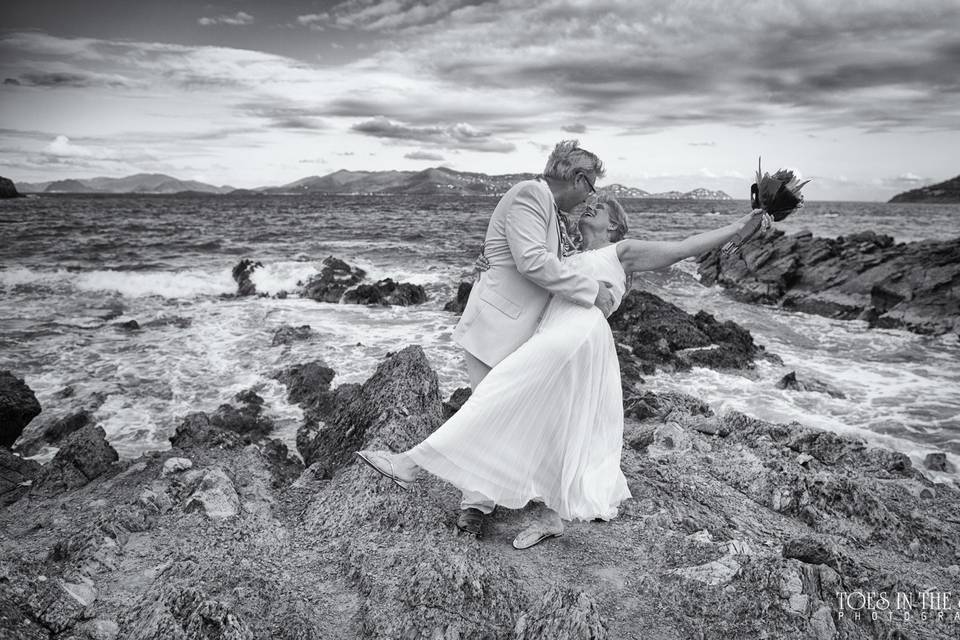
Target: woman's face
596,217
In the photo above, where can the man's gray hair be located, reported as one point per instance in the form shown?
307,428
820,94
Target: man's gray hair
568,158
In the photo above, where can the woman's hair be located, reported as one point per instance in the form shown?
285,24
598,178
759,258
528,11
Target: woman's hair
568,158
618,219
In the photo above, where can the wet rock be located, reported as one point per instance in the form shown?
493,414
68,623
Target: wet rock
938,462
308,384
909,285
16,476
650,404
53,425
457,398
18,406
385,293
215,496
129,325
396,408
247,420
790,381
458,304
241,275
197,430
287,334
333,280
83,456
663,335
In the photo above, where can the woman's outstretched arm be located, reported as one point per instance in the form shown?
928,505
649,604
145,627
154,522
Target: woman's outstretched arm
647,255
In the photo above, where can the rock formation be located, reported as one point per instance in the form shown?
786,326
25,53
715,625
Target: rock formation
458,304
18,406
241,275
8,189
914,286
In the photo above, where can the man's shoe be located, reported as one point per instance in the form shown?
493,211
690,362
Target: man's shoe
471,521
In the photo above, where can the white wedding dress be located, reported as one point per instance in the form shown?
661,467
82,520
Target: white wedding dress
546,423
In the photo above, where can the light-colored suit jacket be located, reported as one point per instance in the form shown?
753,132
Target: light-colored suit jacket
522,246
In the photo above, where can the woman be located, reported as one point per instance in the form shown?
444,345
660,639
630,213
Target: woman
546,424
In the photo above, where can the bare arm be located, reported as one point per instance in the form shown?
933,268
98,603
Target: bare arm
647,255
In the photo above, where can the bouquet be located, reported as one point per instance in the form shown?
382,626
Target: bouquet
776,196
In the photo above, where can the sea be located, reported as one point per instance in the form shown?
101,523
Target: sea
73,267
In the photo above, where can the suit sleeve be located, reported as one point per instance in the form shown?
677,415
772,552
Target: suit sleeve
526,230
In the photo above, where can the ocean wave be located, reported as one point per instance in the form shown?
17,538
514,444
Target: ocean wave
181,284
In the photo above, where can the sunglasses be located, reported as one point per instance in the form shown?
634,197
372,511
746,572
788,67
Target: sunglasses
589,184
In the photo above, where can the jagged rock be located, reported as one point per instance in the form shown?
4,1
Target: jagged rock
386,292
659,405
83,456
335,277
248,420
51,426
55,432
241,275
812,551
8,189
661,334
176,465
99,629
18,406
216,496
196,430
185,613
458,304
16,476
938,462
308,384
396,408
790,381
561,615
129,325
457,398
287,334
914,286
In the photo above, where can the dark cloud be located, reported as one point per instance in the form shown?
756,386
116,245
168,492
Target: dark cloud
283,116
73,79
458,136
575,128
424,155
11,81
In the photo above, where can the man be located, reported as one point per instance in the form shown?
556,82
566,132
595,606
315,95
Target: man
523,247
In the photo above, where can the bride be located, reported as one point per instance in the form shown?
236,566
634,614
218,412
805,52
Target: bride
546,424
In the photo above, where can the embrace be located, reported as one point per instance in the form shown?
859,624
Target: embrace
545,420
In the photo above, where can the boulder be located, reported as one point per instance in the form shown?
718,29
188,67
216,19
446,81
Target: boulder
308,384
83,456
215,496
458,304
790,381
241,275
229,426
654,333
333,280
457,398
16,476
129,325
938,462
385,293
913,286
54,432
397,407
18,406
8,189
287,334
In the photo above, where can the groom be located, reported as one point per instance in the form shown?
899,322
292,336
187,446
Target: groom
523,246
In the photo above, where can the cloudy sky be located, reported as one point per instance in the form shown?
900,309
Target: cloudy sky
862,96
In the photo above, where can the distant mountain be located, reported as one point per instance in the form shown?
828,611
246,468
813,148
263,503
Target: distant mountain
620,191
433,181
139,183
947,192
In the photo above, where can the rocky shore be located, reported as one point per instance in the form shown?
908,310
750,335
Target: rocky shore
913,286
737,528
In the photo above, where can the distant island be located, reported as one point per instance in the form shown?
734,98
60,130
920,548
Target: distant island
433,181
947,192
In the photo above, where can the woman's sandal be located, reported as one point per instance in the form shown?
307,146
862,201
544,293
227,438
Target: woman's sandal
370,457
534,535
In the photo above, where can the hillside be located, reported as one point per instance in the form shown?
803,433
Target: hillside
138,183
947,192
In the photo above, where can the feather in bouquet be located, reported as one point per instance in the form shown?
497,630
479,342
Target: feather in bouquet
776,196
